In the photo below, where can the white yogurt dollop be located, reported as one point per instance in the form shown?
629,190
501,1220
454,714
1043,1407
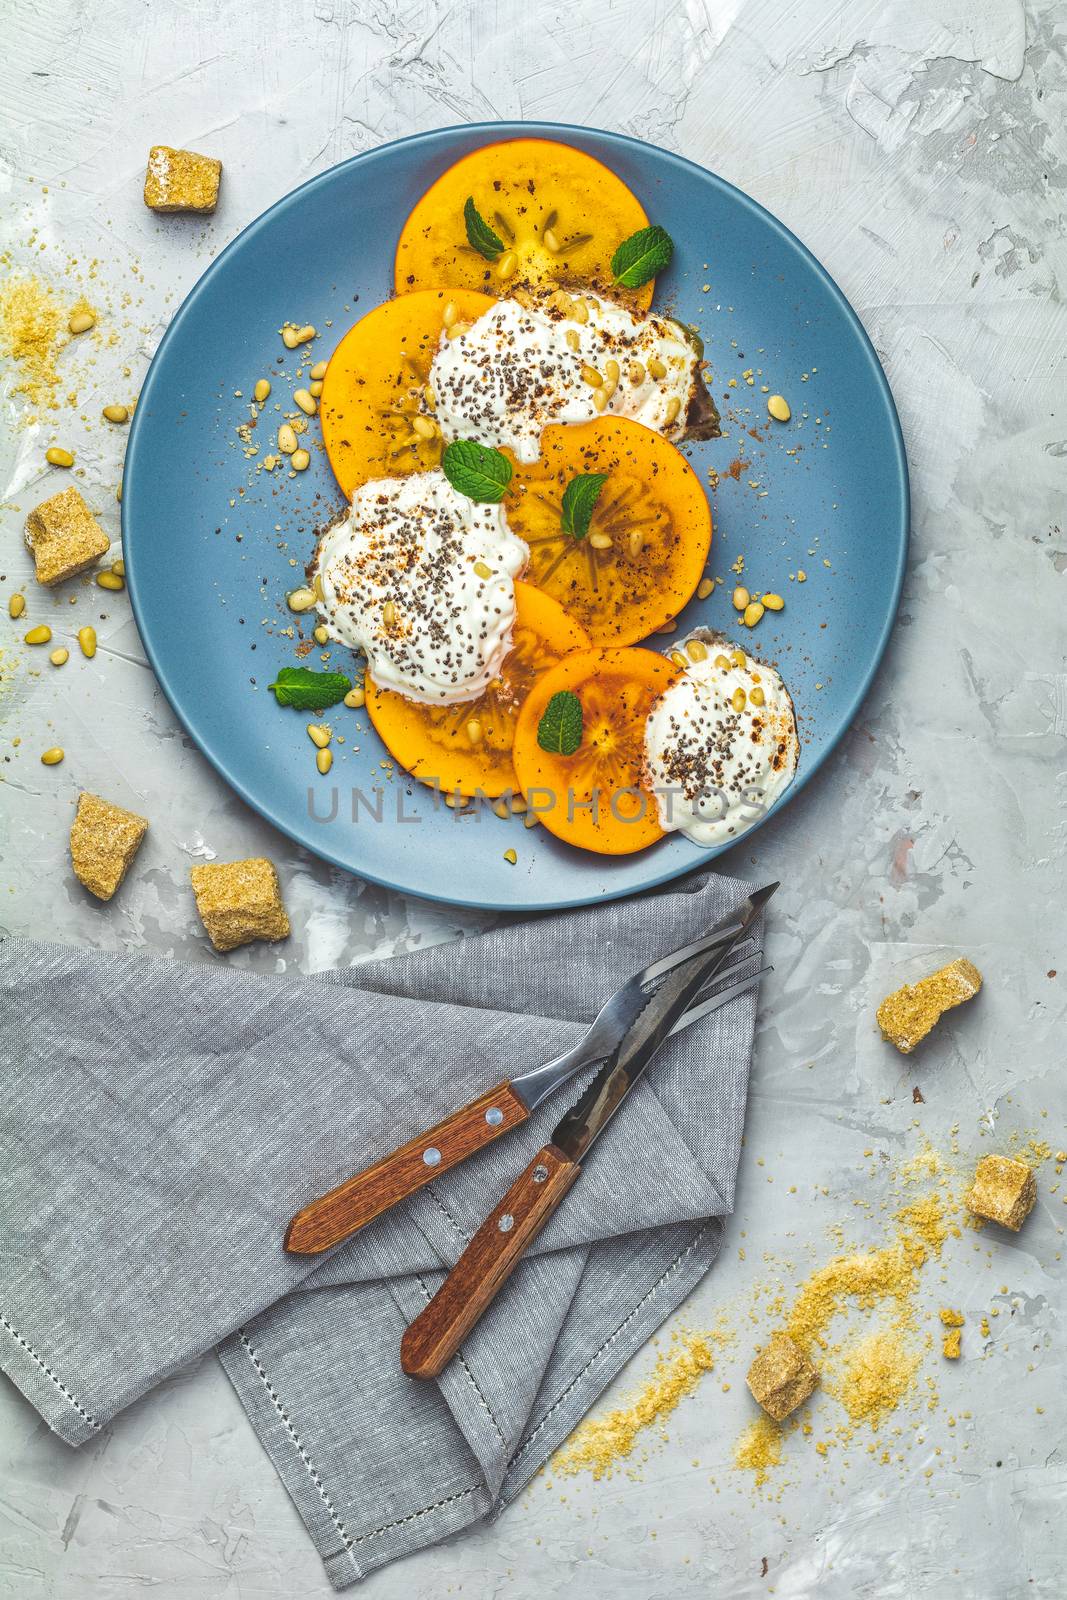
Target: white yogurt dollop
422,580
716,770
517,369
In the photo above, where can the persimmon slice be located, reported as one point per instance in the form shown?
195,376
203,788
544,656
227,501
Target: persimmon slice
533,194
374,391
597,798
466,748
648,539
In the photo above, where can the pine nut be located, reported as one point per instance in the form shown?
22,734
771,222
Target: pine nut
301,600
116,414
740,598
16,605
739,658
262,390
110,580
306,332
757,696
774,602
518,803
118,491
305,401
321,634
58,458
425,427
355,698
802,577
592,377
600,541
300,460
508,265
81,322
551,241
60,657
636,373
119,568
704,588
723,662
580,312
737,699
511,857
315,388
635,542
450,314
753,613
482,570
292,337
573,340
678,659
324,761
53,757
388,614
269,463
698,650
39,635
612,371
87,641
319,735
474,731
500,809
318,371
656,368
458,329
778,406
674,405
287,442
430,398
601,397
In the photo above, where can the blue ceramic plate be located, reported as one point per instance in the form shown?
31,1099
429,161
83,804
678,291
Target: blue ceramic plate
212,546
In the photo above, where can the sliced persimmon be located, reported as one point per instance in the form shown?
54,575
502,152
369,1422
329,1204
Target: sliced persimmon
466,749
598,798
377,421
647,543
558,214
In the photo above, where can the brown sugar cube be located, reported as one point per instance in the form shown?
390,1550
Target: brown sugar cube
906,1016
781,1377
103,841
239,901
64,537
180,180
1004,1191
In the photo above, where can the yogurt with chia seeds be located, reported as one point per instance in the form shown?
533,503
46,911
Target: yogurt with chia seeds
422,580
721,744
519,368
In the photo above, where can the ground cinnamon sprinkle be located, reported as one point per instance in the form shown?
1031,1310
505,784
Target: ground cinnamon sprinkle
600,1444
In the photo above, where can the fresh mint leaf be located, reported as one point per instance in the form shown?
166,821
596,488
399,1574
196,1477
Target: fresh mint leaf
480,235
309,691
641,256
477,471
560,728
579,502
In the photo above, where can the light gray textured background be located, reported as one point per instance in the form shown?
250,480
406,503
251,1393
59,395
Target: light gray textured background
920,149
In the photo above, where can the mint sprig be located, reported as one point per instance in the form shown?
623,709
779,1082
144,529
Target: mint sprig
579,502
309,691
480,235
560,728
641,256
477,471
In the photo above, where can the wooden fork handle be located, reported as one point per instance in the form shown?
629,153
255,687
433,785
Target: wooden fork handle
357,1201
488,1261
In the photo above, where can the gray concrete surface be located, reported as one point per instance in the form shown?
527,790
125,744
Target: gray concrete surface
920,150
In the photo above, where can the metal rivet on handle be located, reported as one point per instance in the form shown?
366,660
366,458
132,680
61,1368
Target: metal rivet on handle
506,1223
540,1172
431,1156
494,1116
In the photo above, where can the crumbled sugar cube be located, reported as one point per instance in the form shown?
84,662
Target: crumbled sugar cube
64,537
781,1377
907,1016
104,839
240,901
181,180
1004,1191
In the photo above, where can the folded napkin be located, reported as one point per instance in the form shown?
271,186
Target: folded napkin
160,1122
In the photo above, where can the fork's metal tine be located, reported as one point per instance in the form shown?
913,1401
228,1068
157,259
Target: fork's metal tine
747,950
666,964
704,1007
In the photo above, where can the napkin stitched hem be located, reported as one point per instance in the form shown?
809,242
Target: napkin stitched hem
28,1372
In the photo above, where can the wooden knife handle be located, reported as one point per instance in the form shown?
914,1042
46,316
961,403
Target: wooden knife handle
357,1201
488,1261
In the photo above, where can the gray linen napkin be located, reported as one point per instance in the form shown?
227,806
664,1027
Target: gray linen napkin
160,1122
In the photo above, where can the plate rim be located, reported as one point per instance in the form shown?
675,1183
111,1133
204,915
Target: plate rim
509,130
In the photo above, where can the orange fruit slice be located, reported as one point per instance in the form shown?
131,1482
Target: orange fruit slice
466,749
597,798
648,539
558,214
